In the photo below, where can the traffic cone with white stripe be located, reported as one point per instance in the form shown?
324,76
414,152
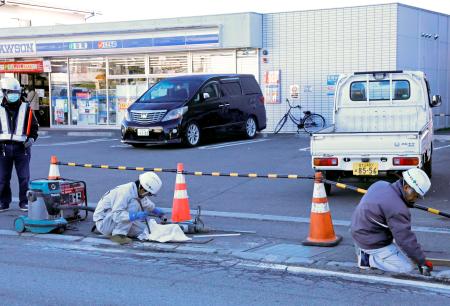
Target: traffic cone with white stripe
180,207
53,172
321,231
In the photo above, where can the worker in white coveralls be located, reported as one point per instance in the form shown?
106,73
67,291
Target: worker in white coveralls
381,225
121,211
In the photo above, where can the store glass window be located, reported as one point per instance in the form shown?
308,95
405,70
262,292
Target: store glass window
59,96
168,63
123,93
88,91
219,62
126,65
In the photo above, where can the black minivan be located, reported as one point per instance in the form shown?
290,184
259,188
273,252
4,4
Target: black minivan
182,109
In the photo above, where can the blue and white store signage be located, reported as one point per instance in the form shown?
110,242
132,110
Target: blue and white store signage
13,49
42,48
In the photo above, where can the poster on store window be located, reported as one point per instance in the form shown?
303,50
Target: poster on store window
272,87
60,105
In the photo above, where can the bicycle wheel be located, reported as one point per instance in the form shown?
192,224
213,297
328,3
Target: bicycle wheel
313,123
280,124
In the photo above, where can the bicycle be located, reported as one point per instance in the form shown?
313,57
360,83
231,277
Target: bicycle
310,122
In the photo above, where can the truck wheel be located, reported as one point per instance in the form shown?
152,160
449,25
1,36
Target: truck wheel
427,167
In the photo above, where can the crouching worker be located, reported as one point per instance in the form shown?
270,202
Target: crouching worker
121,211
381,225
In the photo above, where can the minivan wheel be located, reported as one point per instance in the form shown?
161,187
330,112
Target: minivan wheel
250,127
192,134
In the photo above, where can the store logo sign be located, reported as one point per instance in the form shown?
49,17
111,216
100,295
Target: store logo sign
18,48
108,44
78,46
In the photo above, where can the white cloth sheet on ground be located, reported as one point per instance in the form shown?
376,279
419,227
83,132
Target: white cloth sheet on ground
163,233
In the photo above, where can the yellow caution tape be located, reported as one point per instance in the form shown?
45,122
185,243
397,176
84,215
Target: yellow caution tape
104,166
71,164
234,174
272,175
198,173
88,165
252,175
433,211
139,168
215,173
158,169
292,176
122,168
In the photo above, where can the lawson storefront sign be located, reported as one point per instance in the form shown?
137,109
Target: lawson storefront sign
17,48
96,46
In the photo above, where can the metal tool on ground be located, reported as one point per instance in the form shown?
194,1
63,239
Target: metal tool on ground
321,231
52,205
194,226
364,191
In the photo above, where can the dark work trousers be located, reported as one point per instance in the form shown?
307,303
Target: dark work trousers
14,154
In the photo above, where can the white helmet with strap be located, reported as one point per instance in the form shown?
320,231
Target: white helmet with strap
151,182
11,89
418,180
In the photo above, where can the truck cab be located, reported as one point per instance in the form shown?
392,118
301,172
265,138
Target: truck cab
382,124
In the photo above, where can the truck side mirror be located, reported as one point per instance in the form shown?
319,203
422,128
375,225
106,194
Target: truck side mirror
205,96
436,101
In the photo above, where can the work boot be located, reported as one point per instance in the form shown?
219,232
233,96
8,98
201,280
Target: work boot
23,206
121,239
363,260
4,207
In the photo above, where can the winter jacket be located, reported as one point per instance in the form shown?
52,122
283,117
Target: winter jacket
381,216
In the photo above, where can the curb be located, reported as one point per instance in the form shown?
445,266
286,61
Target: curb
290,264
101,134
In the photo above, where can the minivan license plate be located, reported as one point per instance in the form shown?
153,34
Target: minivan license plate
365,168
143,132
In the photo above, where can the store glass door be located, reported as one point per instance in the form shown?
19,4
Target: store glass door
121,94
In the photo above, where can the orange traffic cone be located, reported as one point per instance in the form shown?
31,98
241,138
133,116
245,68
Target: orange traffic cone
321,231
53,173
180,208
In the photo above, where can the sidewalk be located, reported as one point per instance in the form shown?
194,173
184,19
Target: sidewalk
252,247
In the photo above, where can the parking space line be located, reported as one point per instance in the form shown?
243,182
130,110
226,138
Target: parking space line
443,147
304,149
230,144
278,218
69,143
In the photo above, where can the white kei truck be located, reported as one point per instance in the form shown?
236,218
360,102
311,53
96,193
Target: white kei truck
382,124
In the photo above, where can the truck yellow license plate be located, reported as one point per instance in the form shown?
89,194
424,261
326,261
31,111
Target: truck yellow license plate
365,168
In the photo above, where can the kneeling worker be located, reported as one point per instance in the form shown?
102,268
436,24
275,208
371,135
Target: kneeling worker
120,211
382,223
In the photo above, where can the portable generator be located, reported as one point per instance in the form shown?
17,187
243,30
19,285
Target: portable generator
52,205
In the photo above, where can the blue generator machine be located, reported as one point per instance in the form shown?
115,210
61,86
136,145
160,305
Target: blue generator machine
52,205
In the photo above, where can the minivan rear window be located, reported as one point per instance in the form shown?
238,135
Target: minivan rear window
171,90
250,86
380,90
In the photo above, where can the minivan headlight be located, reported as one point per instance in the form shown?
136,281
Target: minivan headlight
176,113
127,115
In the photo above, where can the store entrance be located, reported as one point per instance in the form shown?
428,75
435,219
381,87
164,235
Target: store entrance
36,87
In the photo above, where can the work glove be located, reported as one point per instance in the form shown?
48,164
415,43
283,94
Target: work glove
27,144
426,268
158,212
138,215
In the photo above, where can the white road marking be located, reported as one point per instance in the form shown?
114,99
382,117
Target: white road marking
69,143
230,144
278,218
120,146
348,275
441,147
304,149
43,137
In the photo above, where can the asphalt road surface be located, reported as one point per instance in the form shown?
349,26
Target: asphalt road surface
56,273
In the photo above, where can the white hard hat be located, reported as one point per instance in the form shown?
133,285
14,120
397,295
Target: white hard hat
418,180
10,84
150,182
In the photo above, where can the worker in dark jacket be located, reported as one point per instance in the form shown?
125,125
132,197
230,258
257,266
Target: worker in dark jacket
18,132
381,225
